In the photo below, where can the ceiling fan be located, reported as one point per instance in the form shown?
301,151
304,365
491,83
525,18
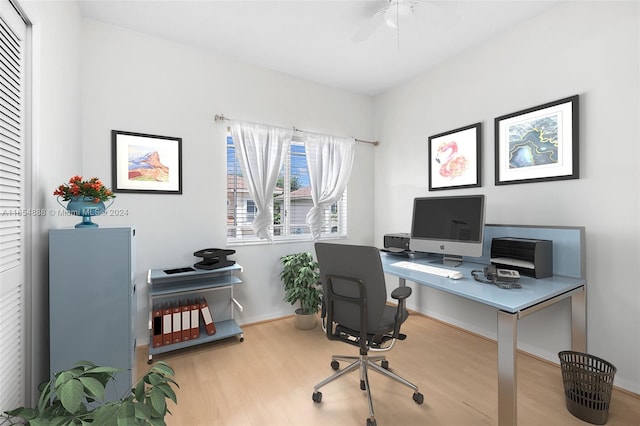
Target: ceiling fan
396,13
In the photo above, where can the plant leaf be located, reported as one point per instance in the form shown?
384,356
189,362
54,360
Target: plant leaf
63,377
163,368
39,422
25,413
142,412
139,391
93,386
155,379
58,421
157,400
166,389
105,415
126,414
71,394
152,410
108,370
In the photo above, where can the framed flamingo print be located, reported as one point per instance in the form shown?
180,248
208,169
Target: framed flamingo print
454,158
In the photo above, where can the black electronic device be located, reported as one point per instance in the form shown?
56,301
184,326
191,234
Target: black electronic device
452,226
213,258
499,274
503,278
530,257
396,241
398,245
178,270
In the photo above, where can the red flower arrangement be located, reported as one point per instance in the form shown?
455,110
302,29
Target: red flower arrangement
91,188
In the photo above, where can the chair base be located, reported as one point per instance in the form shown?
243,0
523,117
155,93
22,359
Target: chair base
363,363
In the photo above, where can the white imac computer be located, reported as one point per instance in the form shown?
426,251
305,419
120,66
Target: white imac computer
452,226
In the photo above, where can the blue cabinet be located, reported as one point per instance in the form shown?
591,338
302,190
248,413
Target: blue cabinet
92,301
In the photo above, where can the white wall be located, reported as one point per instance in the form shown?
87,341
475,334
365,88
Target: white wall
56,155
585,48
138,83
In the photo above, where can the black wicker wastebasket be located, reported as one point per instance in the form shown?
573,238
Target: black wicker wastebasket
588,382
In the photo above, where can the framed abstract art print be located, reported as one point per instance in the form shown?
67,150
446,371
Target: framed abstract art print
538,144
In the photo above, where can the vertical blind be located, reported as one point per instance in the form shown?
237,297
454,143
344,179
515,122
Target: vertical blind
12,137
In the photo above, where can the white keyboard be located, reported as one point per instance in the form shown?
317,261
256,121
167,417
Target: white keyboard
443,272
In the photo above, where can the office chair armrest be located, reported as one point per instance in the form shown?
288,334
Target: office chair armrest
401,293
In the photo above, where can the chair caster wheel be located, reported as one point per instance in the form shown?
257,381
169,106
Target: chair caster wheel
317,397
385,364
363,385
335,364
371,422
418,398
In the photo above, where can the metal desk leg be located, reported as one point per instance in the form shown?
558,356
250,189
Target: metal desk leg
579,321
507,368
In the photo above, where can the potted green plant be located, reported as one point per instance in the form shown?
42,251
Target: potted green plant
75,397
300,276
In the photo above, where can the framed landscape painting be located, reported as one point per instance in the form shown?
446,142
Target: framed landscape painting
145,163
538,144
454,158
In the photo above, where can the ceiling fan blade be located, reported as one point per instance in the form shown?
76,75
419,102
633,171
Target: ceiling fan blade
370,26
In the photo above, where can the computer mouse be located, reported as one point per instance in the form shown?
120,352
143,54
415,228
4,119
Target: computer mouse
456,275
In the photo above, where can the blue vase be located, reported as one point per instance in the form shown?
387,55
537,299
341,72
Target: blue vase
85,207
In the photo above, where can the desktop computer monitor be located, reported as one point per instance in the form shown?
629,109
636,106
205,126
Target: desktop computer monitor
451,226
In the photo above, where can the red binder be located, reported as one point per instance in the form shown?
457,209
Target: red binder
186,320
167,328
177,323
206,317
195,318
157,325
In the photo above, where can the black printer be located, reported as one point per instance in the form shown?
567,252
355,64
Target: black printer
530,257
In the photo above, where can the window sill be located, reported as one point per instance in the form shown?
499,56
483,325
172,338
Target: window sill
283,240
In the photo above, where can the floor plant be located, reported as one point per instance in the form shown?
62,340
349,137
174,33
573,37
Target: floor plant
76,397
300,277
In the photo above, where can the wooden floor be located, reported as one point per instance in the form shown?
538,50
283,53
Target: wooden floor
268,380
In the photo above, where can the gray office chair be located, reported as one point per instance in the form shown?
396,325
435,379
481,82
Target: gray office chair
355,311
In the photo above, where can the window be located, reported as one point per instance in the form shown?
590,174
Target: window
290,202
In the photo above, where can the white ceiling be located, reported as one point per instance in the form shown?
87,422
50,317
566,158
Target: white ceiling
313,39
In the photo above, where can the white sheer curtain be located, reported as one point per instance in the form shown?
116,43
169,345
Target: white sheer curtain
329,159
261,150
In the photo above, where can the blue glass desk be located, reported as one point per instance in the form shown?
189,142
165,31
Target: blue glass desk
511,306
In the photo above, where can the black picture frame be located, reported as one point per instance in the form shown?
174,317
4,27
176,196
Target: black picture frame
144,163
538,144
454,158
